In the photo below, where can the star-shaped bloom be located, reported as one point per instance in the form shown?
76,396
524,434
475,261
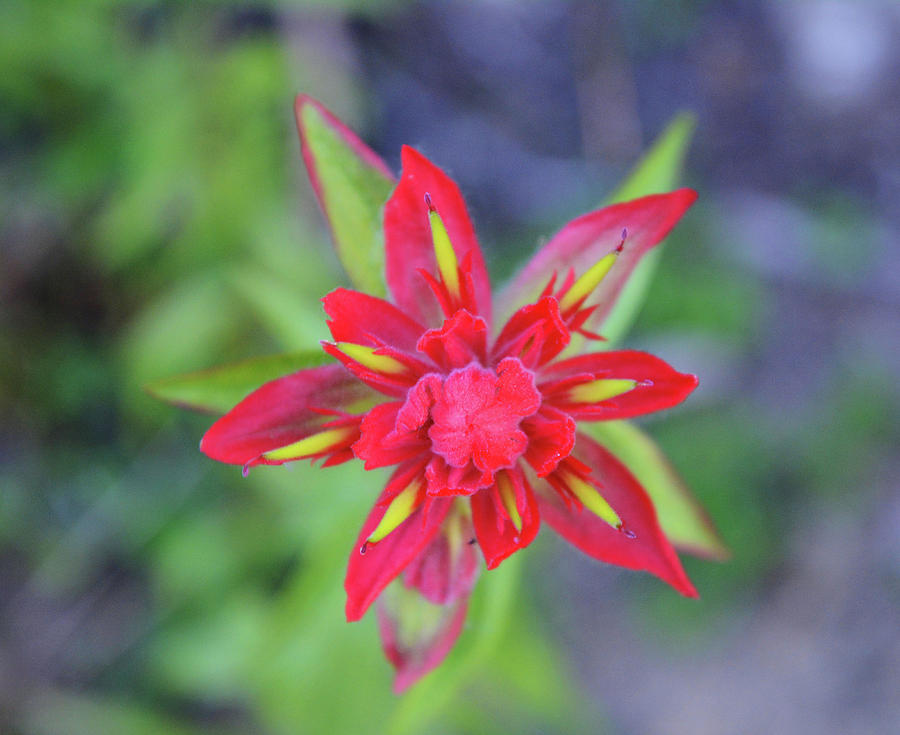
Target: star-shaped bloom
477,406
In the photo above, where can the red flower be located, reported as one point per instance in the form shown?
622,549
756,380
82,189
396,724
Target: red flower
480,423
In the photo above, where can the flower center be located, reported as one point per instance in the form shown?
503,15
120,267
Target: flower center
476,414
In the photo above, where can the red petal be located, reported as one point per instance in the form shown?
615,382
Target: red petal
446,570
582,242
367,320
370,572
414,654
648,550
516,393
377,448
461,340
445,481
551,437
536,334
659,385
416,410
280,413
408,244
497,535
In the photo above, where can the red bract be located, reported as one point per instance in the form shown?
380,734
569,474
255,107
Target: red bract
480,423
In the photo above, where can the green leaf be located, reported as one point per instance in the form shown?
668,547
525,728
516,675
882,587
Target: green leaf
219,389
352,185
658,171
682,519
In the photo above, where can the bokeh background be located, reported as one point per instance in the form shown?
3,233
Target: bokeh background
155,218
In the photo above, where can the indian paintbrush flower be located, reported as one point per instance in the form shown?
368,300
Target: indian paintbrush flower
478,407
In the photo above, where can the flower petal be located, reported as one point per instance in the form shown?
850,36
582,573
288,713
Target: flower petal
643,546
380,444
582,242
445,481
282,412
551,437
417,635
367,320
462,339
351,184
505,517
371,571
535,334
408,240
614,385
447,568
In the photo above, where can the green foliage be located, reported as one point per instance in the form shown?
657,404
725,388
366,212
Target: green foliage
217,390
353,193
658,171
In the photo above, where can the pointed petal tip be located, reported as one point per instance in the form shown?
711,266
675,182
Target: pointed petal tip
208,446
300,100
678,578
352,610
684,196
689,195
407,153
715,551
692,382
687,589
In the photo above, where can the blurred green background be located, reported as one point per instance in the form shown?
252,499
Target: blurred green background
155,218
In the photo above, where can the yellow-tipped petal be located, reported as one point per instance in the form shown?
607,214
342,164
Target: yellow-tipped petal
592,500
600,390
311,445
366,356
508,496
447,264
588,281
401,508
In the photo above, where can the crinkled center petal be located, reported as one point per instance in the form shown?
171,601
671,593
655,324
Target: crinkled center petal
476,415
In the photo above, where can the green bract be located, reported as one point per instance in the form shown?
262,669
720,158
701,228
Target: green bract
351,191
